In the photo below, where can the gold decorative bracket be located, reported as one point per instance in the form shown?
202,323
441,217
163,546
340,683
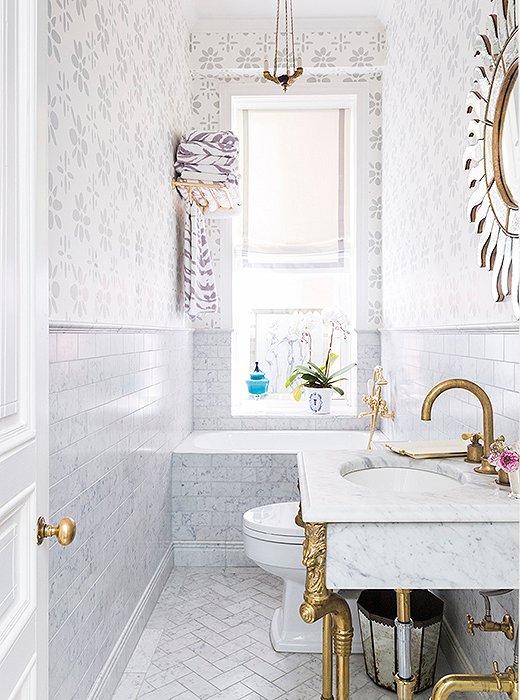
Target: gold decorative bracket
320,602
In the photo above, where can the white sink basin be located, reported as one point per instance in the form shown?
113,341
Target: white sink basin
399,480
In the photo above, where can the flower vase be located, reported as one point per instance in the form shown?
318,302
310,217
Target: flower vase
318,400
514,482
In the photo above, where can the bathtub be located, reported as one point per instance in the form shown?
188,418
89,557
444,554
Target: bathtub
272,441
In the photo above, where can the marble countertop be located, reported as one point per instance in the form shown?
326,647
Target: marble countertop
326,496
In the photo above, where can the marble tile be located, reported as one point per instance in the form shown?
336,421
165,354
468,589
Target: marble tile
245,668
112,435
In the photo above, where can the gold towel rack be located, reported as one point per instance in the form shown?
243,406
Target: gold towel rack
204,193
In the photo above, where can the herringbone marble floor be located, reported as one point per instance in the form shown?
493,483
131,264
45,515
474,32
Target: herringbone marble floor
208,639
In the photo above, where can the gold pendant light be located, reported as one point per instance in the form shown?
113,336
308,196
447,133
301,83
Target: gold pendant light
292,72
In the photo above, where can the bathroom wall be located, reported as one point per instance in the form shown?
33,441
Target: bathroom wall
119,99
438,316
336,58
115,418
212,395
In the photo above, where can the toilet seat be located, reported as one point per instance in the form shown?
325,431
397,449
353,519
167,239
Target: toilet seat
274,523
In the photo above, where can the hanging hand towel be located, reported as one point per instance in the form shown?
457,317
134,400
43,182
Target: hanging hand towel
200,295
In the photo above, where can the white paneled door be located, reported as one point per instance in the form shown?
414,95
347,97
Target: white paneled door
23,351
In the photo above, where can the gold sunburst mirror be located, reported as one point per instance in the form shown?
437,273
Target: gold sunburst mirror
492,157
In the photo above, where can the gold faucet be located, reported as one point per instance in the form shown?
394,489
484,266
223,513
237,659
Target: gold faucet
506,682
377,405
487,410
487,624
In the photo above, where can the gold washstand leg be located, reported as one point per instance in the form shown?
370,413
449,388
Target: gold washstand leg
404,678
320,603
343,634
326,659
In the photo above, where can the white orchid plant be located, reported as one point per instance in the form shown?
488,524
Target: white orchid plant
311,374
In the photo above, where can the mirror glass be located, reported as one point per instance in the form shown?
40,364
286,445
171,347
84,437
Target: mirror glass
510,166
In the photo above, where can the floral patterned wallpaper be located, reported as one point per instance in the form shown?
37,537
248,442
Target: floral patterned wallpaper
431,263
119,99
328,57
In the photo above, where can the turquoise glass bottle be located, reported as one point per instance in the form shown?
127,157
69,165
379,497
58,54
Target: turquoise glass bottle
257,384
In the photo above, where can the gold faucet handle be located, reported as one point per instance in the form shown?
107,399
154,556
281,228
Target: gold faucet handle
497,675
470,625
474,437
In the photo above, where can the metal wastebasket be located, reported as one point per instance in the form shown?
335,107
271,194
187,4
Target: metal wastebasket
377,612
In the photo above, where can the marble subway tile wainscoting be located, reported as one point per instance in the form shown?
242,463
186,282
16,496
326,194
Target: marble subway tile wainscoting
417,359
211,492
213,383
115,419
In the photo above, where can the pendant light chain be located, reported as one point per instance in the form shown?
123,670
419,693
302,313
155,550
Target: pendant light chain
292,35
287,36
287,78
276,39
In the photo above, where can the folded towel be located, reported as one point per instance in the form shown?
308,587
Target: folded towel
202,176
209,152
226,140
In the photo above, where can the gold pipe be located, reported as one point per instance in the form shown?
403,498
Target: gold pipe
326,659
320,602
506,682
487,411
403,605
405,686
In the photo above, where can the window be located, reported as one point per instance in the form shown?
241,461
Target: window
292,247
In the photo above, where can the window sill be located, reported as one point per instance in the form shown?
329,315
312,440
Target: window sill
287,409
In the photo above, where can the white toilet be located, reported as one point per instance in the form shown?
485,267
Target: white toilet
274,542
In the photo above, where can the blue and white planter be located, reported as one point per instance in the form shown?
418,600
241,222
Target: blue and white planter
318,400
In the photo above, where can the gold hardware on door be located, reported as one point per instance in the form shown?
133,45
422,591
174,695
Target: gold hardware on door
65,531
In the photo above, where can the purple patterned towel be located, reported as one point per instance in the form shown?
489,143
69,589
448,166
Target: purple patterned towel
209,152
200,295
225,140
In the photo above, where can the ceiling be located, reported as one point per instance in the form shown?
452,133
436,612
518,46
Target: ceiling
208,10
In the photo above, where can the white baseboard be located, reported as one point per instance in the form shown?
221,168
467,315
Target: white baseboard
457,657
222,554
107,681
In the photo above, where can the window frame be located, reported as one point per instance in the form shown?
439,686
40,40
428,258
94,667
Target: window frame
352,96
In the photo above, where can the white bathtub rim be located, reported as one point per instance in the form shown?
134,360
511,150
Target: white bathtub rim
189,444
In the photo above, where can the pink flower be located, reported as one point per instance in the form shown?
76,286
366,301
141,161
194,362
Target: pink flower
509,461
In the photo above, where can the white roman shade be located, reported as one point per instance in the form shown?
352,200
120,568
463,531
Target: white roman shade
296,209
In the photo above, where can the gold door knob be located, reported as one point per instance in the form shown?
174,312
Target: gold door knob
65,531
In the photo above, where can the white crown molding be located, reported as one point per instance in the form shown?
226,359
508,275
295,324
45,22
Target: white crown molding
385,11
190,14
261,26
338,71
